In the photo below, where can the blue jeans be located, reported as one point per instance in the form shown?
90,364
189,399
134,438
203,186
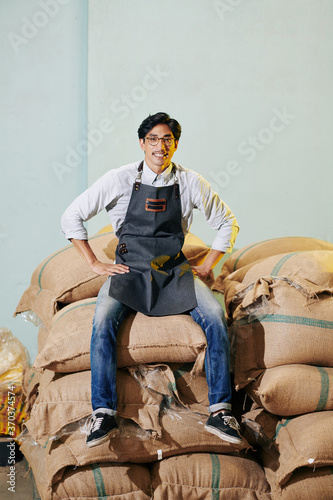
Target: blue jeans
109,315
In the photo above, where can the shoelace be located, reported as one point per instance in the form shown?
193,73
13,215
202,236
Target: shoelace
231,421
90,424
96,423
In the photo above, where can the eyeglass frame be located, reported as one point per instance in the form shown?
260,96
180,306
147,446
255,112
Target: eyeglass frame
164,139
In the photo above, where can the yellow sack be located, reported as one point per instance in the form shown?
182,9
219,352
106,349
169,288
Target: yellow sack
9,427
12,379
12,407
13,358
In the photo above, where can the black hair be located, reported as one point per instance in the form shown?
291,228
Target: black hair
159,118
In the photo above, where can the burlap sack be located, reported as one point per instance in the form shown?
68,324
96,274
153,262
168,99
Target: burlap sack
30,383
105,480
33,382
95,481
280,322
304,441
315,266
183,433
305,484
275,246
64,277
66,399
294,389
259,427
192,390
43,333
141,339
209,476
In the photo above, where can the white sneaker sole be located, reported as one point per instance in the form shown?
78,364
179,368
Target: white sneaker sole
222,435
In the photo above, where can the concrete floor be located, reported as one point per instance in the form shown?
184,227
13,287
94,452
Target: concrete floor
24,488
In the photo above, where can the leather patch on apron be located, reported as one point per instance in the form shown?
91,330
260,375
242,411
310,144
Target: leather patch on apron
155,205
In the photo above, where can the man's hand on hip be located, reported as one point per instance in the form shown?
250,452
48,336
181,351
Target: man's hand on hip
98,267
204,269
110,269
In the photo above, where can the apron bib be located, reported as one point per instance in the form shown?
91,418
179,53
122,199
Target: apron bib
160,281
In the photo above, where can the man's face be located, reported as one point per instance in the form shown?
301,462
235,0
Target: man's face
158,157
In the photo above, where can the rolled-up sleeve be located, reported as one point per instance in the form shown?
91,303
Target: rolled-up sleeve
72,222
217,214
85,206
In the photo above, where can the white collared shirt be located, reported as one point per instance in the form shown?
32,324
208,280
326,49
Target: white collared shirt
113,191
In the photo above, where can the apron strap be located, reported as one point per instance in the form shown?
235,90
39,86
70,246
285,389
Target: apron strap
175,183
138,177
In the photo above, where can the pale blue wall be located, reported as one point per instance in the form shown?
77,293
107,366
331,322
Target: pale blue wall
43,112
225,69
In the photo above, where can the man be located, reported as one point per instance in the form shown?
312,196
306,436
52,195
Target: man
150,204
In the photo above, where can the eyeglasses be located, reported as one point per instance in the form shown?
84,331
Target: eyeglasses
153,140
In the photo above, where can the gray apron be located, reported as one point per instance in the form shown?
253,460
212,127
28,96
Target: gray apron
160,281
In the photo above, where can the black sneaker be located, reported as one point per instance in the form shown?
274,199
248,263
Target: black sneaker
225,426
102,426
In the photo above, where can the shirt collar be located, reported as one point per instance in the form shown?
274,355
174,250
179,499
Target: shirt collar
152,176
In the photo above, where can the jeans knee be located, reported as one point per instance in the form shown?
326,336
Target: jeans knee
100,322
215,313
217,310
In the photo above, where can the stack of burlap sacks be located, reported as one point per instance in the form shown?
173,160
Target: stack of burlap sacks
278,296
162,449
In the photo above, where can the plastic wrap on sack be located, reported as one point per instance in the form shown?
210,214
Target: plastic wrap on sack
159,381
127,429
13,358
31,317
260,301
156,379
131,430
35,455
257,437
